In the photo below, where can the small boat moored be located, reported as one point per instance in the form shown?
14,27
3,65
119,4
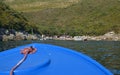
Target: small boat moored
50,60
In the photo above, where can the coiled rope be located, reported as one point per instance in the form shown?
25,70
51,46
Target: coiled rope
25,51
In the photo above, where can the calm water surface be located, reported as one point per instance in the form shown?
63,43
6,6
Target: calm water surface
105,52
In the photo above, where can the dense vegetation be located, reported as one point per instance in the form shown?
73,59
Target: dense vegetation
71,17
10,19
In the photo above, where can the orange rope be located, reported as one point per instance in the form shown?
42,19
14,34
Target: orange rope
25,51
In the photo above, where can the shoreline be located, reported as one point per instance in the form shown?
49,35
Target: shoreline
110,36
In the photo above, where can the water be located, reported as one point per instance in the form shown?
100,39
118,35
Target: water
105,52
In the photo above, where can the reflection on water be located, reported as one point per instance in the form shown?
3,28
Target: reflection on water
105,52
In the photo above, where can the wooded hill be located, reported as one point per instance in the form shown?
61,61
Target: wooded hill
11,19
71,17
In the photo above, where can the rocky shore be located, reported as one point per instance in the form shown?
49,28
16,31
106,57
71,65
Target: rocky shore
12,35
110,36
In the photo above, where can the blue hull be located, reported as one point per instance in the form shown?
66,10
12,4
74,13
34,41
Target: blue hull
50,60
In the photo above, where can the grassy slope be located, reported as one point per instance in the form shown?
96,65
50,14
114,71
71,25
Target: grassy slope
88,17
36,5
11,19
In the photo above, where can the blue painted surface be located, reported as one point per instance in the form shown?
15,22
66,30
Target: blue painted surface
50,60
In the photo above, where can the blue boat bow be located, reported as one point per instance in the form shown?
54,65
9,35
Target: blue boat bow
50,60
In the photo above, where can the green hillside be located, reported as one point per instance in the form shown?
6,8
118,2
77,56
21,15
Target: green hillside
71,17
36,5
11,19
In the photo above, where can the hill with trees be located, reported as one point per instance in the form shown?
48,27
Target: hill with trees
13,20
71,17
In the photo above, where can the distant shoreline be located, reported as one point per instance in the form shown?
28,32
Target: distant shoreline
15,35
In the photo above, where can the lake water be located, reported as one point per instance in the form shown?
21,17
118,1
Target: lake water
106,53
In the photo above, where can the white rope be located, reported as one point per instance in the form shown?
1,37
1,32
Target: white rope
18,64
